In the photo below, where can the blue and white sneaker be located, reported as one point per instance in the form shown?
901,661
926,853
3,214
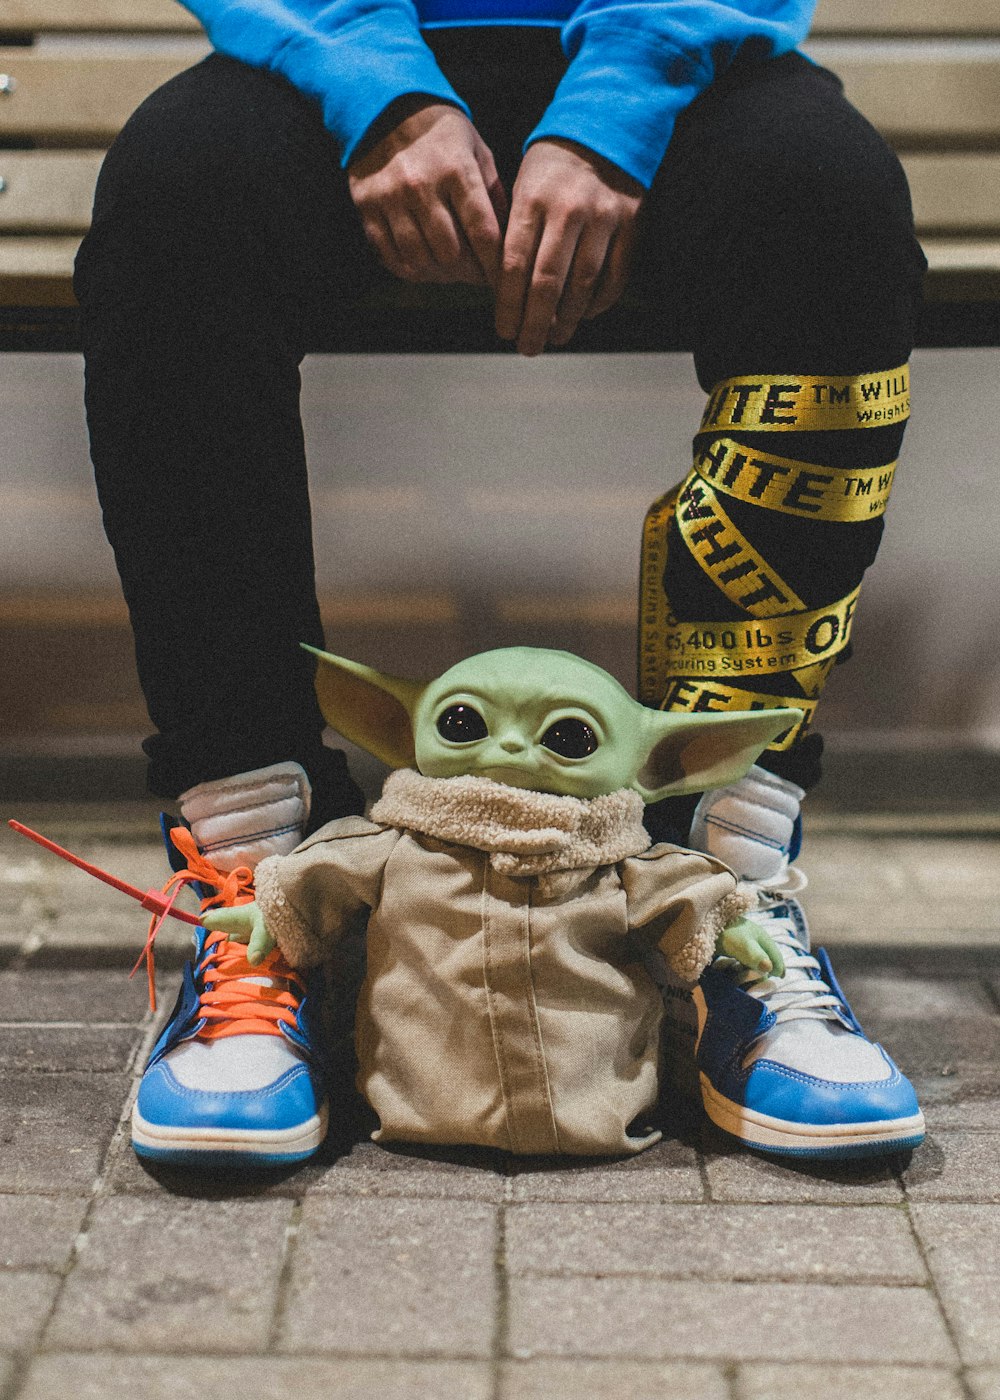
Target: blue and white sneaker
782,1063
234,1080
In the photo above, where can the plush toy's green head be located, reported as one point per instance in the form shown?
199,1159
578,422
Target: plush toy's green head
543,720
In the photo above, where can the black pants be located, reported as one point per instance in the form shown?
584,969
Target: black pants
778,236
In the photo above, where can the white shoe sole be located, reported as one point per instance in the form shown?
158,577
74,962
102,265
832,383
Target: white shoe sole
265,1144
809,1139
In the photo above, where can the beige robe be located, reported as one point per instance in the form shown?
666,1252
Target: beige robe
503,1004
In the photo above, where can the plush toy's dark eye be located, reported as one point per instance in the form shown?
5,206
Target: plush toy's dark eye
460,724
570,738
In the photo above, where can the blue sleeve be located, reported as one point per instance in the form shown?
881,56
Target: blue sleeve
354,57
636,64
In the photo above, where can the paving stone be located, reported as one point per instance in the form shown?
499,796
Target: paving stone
60,1048
897,996
61,904
392,1277
31,874
725,1321
977,1109
737,1175
666,1172
610,1380
984,1385
948,1060
25,1300
370,1169
829,1243
109,1376
53,994
174,1274
6,1374
11,941
71,934
874,870
779,1382
956,1166
951,870
38,1231
854,917
56,1129
963,1253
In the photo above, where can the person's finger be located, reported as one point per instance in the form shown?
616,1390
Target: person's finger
524,231
413,254
377,232
479,223
584,275
773,953
552,263
614,276
441,236
455,260
261,944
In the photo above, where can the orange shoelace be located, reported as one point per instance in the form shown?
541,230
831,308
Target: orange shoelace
234,1001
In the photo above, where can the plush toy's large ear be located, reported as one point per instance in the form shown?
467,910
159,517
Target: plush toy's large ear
370,709
694,752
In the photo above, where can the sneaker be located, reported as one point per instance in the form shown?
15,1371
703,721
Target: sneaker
234,1080
782,1063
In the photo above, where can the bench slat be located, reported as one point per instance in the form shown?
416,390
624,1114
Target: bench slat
47,191
919,99
52,191
955,190
72,97
907,17
832,16
76,98
37,271
158,16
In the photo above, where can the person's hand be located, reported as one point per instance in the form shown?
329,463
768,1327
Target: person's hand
430,200
749,944
568,243
243,923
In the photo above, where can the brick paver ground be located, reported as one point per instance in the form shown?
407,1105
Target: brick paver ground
695,1270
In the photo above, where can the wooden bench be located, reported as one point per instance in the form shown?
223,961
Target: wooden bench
71,71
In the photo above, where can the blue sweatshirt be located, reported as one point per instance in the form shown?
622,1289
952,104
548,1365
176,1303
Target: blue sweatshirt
634,64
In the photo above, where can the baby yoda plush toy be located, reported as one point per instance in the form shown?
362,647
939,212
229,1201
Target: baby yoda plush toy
512,886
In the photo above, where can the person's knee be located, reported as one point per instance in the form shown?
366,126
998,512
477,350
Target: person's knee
203,136
823,179
187,190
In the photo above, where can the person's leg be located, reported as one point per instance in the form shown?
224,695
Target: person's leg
222,226
781,233
221,221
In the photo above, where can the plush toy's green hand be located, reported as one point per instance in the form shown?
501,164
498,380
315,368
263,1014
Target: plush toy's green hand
749,944
243,923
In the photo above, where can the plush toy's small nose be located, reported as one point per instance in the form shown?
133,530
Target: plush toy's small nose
512,743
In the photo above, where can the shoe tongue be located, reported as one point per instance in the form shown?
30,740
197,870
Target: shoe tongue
749,825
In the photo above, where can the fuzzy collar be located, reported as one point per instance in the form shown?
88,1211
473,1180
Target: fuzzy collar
525,833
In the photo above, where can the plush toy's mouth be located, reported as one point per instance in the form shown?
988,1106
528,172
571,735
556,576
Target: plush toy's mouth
511,774
530,780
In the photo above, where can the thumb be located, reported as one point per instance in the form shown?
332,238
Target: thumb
237,922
